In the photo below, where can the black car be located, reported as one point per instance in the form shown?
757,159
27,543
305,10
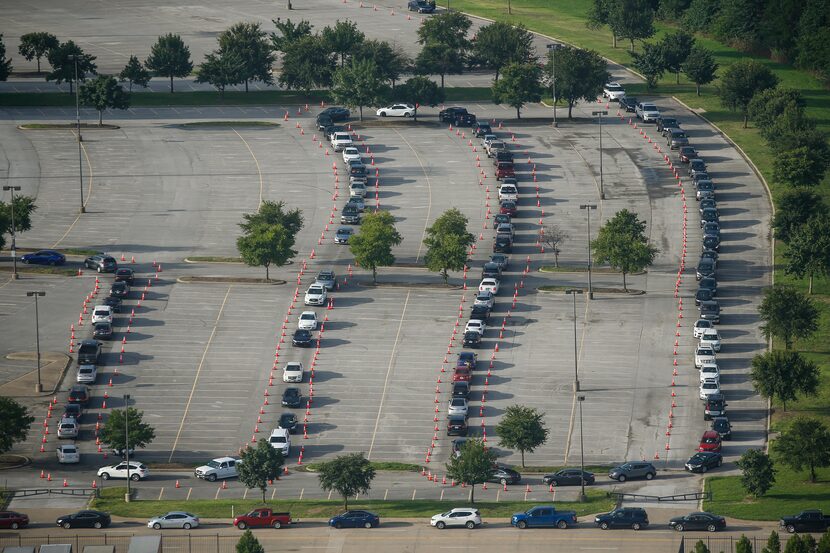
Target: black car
664,123
705,268
114,303
569,477
456,425
723,427
88,352
126,274
501,218
623,517
301,338
461,389
73,411
710,311
336,113
472,339
482,129
703,294
79,394
420,6
714,406
711,243
711,229
709,215
288,421
502,156
291,397
698,521
491,270
696,166
102,331
703,461
120,289
505,475
710,284
480,312
101,263
501,259
706,203
705,189
450,115
324,122
350,215
503,244
84,519
628,103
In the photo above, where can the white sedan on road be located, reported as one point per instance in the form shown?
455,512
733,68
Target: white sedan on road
711,338
701,326
292,372
709,370
489,285
351,153
397,110
708,387
307,321
704,355
475,325
102,314
315,295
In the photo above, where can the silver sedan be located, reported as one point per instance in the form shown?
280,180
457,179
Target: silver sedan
174,519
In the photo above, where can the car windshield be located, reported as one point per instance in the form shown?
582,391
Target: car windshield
213,464
649,107
613,87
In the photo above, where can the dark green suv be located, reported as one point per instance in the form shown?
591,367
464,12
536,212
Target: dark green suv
624,517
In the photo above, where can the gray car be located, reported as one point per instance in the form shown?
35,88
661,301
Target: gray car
696,166
327,279
633,470
710,311
676,138
705,268
705,189
174,519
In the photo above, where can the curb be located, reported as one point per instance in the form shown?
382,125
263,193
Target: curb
225,280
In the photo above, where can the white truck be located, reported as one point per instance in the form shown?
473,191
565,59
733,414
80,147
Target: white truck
341,141
219,468
647,111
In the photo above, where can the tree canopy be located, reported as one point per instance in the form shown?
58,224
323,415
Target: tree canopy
246,45
268,236
16,422
103,93
447,242
391,60
757,472
170,57
474,465
307,63
700,67
63,59
348,475
420,91
6,63
741,81
36,45
675,49
221,69
783,374
622,243
260,465
289,33
500,43
134,73
651,63
580,75
808,250
520,84
114,432
805,444
372,245
631,19
343,39
794,208
248,543
787,314
359,84
522,428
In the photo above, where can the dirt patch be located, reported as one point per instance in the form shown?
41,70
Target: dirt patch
65,126
227,280
10,461
629,292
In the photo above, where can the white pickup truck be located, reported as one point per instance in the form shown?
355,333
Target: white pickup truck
219,468
341,141
646,111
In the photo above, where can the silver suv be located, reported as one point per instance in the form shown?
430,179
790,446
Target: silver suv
634,469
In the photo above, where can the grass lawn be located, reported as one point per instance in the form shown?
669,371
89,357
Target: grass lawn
791,494
377,465
112,501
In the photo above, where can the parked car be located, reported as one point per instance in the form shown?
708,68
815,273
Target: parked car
84,519
714,406
696,165
482,129
351,153
501,259
336,113
307,320
350,215
701,325
462,374
293,372
302,338
102,314
44,257
327,279
687,154
676,138
102,331
456,425
460,517
489,285
710,310
133,470
101,263
569,477
629,103
544,516
811,520
174,519
480,312
79,393
472,339
355,519
698,521
289,422
633,470
397,110
87,374
623,517
705,268
461,389
704,355
664,123
503,244
280,439
451,114
262,518
458,406
647,111
709,387
711,338
68,428
343,234
125,274
315,295
704,461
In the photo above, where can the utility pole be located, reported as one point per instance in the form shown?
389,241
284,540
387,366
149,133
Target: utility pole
12,189
128,496
588,208
74,57
36,294
573,292
601,187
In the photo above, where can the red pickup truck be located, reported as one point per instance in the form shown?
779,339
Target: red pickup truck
505,169
261,518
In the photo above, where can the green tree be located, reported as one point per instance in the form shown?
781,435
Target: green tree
675,49
390,60
289,33
420,91
266,245
808,252
812,47
809,543
700,547
793,128
447,242
738,23
777,29
436,58
5,63
343,39
23,207
259,465
741,81
372,245
248,543
794,208
500,43
805,444
359,84
63,59
114,432
743,545
522,428
16,422
348,475
307,63
796,545
475,465
672,10
599,14
823,545
773,543
622,243
701,15
448,28
580,75
651,63
757,472
221,68
274,213
700,67
103,93
520,84
765,107
787,314
247,44
801,166
631,20
170,57
134,73
36,45
783,375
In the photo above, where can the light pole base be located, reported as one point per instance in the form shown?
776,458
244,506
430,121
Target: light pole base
82,210
582,498
555,124
38,388
127,497
602,196
15,276
576,385
590,295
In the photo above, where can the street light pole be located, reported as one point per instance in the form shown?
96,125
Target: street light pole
553,48
74,57
128,496
601,188
574,292
15,276
35,294
582,496
588,208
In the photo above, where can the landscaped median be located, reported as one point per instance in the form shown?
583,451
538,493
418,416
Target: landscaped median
112,502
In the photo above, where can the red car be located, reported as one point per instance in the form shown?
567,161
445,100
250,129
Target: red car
710,441
508,207
462,374
505,169
12,520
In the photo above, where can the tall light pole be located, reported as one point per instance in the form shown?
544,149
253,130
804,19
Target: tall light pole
574,292
582,496
601,188
12,189
552,48
36,294
128,495
588,208
74,58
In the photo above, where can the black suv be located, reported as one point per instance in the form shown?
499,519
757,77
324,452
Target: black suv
101,263
628,103
288,421
456,425
491,270
722,426
632,470
350,215
503,244
421,6
482,129
624,517
714,406
461,389
88,352
472,339
449,115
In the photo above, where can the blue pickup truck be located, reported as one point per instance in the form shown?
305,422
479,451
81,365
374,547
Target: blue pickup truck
543,516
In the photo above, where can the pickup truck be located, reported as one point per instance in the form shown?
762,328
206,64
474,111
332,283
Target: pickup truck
806,521
221,467
262,518
543,516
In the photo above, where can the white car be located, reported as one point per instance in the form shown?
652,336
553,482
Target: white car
508,192
710,370
613,91
489,285
341,141
68,454
704,355
475,325
397,110
86,374
221,467
174,519
138,471
307,321
457,406
505,228
486,299
102,314
68,428
708,387
292,372
711,338
281,439
351,153
357,190
701,326
488,138
460,516
315,295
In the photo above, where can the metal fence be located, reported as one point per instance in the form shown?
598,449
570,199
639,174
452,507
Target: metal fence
726,544
183,543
